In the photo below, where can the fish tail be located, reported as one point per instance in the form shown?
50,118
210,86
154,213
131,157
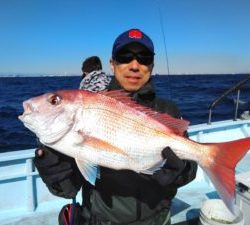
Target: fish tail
221,169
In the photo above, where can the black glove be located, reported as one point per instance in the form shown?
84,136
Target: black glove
58,171
170,171
71,215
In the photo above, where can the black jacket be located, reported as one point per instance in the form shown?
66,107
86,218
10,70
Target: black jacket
120,196
124,196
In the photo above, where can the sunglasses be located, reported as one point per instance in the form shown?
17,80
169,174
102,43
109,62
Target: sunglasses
141,57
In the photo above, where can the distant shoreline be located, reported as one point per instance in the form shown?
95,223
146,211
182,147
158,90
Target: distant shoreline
78,75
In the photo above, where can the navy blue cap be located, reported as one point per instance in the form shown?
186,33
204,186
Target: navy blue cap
131,36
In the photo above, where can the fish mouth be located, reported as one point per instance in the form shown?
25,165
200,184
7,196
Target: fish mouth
26,119
28,109
23,116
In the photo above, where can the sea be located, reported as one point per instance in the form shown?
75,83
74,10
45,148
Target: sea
193,94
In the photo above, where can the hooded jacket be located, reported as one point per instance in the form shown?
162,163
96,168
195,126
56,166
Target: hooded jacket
95,81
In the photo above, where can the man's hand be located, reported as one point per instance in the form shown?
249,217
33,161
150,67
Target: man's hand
58,171
170,171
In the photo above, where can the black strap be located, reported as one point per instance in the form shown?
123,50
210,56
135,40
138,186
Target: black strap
86,193
138,209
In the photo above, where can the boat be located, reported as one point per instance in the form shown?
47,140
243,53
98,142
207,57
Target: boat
25,199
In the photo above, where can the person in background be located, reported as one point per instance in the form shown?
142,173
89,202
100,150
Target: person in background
93,78
122,196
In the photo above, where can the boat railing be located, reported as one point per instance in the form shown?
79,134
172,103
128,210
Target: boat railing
22,191
237,88
25,171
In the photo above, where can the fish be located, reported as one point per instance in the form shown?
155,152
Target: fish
110,129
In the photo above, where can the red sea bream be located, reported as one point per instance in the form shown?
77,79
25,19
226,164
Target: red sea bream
111,130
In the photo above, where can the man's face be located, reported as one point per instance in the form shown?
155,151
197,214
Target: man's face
132,66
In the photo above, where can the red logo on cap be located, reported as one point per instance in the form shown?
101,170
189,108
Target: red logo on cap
135,34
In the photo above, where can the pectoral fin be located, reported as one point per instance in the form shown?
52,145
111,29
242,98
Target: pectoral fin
155,168
101,145
89,171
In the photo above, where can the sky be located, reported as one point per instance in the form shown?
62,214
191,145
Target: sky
190,36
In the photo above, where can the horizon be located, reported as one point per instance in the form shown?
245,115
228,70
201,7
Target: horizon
79,75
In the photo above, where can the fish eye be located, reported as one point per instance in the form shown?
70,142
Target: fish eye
55,99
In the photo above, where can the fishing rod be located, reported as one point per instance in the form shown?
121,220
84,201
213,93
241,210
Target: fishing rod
164,37
165,46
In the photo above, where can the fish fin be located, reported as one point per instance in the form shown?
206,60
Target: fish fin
89,171
101,145
154,168
222,170
178,126
117,94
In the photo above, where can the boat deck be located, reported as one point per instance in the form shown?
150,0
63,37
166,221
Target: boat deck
24,199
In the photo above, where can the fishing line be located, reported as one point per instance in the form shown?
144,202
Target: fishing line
165,48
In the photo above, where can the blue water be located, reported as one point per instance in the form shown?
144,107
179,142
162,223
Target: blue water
193,94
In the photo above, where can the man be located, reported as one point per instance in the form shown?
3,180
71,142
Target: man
93,78
123,196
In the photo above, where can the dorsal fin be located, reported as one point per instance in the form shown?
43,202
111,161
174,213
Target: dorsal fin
178,126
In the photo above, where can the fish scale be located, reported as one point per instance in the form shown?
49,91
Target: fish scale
133,133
